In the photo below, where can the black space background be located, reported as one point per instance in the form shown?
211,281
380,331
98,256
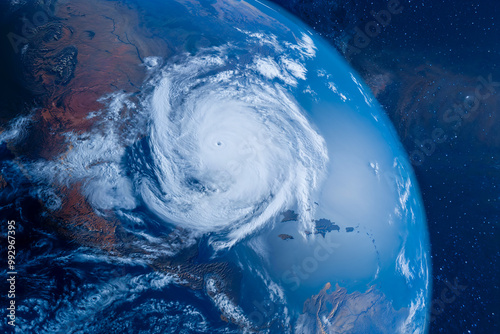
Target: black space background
460,180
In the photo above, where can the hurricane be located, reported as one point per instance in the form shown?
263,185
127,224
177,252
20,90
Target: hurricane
229,150
212,144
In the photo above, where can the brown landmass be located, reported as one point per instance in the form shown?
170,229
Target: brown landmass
87,50
3,183
91,49
337,311
81,223
289,215
285,236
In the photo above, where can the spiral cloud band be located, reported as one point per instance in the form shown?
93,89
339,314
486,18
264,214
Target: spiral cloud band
218,144
230,150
